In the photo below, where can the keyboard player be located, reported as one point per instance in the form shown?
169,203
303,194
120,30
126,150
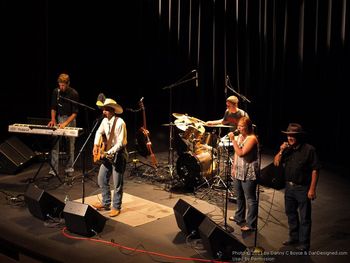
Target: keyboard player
63,114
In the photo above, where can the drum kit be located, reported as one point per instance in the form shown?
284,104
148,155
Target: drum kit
202,156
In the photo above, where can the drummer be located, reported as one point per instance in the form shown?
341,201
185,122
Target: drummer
231,116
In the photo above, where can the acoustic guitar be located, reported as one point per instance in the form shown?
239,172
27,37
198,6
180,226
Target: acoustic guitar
101,153
143,138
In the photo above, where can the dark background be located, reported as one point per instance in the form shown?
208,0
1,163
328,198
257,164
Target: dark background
290,58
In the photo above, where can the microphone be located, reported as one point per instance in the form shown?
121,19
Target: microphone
141,99
196,79
236,132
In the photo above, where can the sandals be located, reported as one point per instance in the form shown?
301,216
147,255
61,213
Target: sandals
231,218
246,229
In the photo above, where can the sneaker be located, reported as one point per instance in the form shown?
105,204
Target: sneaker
101,207
114,212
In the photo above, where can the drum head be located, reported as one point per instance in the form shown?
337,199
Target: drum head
192,168
188,169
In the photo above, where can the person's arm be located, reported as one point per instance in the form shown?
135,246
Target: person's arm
247,147
278,156
53,119
68,120
216,122
312,190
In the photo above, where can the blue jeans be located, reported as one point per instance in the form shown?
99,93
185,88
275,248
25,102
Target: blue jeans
298,211
246,198
70,148
116,170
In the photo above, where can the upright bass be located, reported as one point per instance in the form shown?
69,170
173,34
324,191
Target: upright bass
144,139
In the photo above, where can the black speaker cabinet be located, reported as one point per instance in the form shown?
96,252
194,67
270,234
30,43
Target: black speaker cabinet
188,218
82,219
41,204
219,243
14,155
272,177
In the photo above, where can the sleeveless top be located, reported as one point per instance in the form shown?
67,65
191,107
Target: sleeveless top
246,167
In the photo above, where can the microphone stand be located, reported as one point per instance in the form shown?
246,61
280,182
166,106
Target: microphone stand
257,251
171,129
85,143
229,86
97,121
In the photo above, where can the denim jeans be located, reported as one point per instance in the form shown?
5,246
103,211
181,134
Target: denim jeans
298,211
116,170
70,148
246,198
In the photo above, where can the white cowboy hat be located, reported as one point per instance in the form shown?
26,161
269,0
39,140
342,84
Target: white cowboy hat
112,104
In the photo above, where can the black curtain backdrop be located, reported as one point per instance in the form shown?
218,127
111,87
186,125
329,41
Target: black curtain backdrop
290,58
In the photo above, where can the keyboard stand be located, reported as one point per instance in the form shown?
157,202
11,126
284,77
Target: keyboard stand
44,157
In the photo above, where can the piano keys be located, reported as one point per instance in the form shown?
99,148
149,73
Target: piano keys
45,130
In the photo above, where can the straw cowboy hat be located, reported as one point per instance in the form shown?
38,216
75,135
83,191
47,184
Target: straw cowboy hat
294,128
100,100
111,104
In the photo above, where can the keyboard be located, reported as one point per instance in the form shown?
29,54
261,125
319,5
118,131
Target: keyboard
45,130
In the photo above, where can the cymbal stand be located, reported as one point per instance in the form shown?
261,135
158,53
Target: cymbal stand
171,129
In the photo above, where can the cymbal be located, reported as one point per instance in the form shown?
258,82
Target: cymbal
218,126
179,115
182,124
187,118
195,120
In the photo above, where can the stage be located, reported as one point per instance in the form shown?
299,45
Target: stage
153,235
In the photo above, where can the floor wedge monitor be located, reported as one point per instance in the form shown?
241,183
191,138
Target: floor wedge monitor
41,204
219,243
82,219
188,218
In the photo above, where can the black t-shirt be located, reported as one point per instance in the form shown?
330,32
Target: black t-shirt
62,106
232,119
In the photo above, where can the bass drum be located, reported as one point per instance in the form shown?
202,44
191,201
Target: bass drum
192,168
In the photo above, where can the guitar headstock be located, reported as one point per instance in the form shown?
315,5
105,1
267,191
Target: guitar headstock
142,106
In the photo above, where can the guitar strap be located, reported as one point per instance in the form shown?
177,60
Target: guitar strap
111,135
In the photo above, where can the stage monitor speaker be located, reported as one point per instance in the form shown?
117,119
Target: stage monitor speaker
272,176
188,218
82,219
14,155
41,204
219,243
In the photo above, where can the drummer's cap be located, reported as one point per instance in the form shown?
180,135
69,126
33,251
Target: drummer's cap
233,100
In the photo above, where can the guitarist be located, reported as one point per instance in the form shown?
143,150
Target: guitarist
114,156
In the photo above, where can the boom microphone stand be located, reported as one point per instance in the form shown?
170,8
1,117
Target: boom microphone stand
85,143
